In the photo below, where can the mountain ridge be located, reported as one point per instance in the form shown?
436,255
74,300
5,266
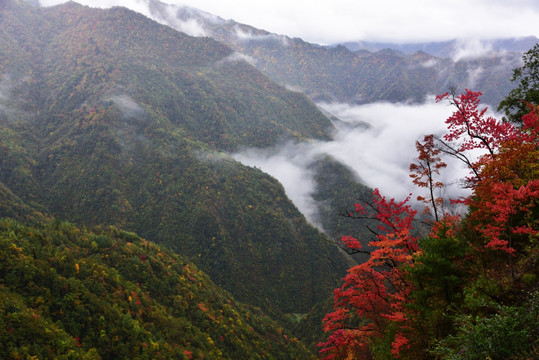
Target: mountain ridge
340,74
446,48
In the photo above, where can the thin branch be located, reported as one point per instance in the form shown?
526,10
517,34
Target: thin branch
451,151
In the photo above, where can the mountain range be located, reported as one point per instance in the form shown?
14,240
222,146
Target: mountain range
360,72
451,48
113,124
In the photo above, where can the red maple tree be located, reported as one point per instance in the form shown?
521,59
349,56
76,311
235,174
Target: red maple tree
374,295
505,190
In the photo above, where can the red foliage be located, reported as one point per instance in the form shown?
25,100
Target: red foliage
374,294
351,242
506,189
469,124
446,227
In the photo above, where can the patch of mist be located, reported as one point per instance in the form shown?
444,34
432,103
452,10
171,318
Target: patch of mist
430,63
129,128
6,84
126,105
194,12
466,49
244,35
213,157
237,57
290,164
8,110
378,140
190,27
474,76
181,18
294,88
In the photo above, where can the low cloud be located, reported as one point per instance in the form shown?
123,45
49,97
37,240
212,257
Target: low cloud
430,63
213,157
180,18
5,87
190,27
236,57
126,104
244,35
294,88
9,103
466,49
376,141
474,76
288,163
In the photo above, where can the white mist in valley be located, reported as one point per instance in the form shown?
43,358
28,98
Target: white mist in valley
288,163
377,141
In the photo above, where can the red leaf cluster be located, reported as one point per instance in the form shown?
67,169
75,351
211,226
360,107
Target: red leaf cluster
374,293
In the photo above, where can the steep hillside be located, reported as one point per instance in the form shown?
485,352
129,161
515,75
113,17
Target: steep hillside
339,74
111,118
338,190
107,294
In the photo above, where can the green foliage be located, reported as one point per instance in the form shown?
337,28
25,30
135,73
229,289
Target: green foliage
513,105
309,328
67,293
510,333
439,269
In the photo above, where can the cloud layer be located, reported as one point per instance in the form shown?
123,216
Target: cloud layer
327,22
376,140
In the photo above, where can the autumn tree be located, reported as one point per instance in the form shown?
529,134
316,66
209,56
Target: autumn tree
505,188
423,173
371,305
470,130
495,245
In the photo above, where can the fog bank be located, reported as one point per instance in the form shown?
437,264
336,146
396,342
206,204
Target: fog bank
376,140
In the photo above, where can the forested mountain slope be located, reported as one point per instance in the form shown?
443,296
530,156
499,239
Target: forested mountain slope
107,294
108,117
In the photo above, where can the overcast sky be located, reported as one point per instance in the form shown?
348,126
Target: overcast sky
326,22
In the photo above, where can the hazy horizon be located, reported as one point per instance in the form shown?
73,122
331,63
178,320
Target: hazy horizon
339,21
